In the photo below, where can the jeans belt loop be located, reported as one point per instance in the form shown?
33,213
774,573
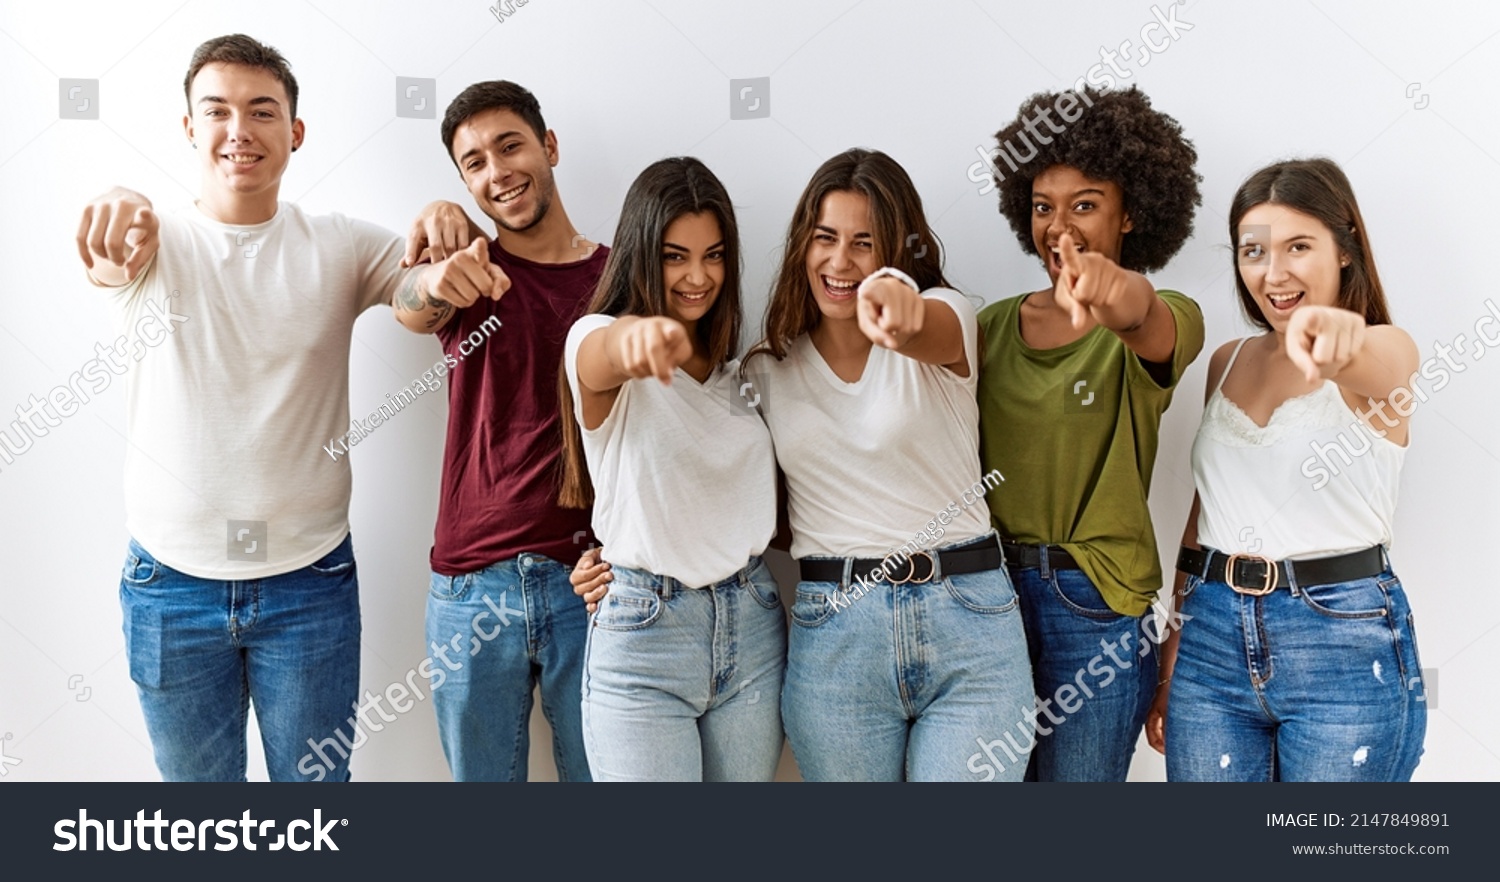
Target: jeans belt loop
1291,576
937,566
1046,563
848,575
665,586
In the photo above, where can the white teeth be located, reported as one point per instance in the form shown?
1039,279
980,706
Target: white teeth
692,298
839,285
510,195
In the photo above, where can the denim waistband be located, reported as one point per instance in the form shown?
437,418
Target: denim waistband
666,586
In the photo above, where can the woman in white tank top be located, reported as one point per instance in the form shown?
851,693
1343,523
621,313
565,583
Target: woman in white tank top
1297,659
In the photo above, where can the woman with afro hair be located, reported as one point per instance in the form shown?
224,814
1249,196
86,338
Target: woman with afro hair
1074,383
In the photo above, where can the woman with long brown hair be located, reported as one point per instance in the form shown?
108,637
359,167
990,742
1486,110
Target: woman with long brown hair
682,484
1298,659
907,659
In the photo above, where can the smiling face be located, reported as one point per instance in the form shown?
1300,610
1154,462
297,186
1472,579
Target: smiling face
1287,260
242,127
506,169
692,260
1063,200
842,252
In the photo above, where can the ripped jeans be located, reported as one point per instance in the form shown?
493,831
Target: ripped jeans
1311,683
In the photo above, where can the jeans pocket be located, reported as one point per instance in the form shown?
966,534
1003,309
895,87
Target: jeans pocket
140,569
812,607
628,608
448,588
1357,599
762,587
1190,585
336,562
988,592
1077,594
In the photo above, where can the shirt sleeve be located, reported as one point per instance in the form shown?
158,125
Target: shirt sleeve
1189,319
377,254
968,321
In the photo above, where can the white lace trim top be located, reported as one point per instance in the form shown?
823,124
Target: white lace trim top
1314,481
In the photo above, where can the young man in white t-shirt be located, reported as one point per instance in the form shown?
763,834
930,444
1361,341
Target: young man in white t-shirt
240,583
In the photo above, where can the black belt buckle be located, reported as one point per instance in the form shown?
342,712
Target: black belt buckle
1261,591
911,570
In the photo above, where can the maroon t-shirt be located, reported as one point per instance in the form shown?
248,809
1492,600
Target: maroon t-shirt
503,454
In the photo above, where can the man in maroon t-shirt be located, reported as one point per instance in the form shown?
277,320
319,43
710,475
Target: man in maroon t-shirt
501,615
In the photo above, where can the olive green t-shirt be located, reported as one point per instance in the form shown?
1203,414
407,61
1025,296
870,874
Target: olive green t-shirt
1074,430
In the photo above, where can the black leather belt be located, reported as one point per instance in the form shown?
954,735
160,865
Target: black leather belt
1030,556
919,567
1256,575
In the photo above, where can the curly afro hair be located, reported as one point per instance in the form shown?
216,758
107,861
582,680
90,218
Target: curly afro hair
1119,138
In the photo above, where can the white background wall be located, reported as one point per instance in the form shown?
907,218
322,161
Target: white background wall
627,82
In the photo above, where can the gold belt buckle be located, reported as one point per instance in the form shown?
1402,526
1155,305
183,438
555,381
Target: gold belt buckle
1262,591
911,570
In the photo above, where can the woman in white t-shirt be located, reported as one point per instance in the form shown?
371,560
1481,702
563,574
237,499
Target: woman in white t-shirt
907,657
1298,659
685,656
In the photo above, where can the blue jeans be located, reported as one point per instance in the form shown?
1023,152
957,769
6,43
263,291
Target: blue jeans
493,635
1315,683
683,684
1094,672
201,651
914,682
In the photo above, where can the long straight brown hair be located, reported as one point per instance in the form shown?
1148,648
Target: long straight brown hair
1319,188
632,283
902,240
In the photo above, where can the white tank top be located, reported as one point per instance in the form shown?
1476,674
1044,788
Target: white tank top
1314,481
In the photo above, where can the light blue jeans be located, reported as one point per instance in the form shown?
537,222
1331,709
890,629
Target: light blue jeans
201,651
916,682
494,635
682,684
1319,683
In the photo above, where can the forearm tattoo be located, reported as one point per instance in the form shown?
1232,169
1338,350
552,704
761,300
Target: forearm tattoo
409,295
444,310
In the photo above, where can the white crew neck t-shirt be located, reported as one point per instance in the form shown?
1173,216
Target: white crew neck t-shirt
870,465
226,476
684,475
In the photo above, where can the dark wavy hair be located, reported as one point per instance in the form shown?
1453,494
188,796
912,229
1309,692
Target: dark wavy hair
1118,137
1319,188
902,239
632,284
